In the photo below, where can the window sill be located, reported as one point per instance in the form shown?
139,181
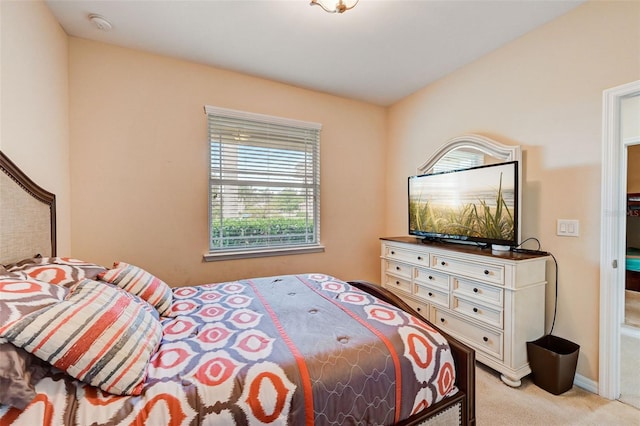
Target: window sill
247,254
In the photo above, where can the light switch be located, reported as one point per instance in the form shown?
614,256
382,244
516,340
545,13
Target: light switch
568,228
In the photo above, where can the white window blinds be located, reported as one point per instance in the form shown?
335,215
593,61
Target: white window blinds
459,159
264,181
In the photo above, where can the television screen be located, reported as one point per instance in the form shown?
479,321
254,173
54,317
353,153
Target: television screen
479,204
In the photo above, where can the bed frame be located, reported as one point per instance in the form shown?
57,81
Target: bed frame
28,228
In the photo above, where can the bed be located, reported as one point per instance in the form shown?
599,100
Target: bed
83,344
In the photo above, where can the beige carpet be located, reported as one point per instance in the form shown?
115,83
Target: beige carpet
630,369
632,308
630,351
499,404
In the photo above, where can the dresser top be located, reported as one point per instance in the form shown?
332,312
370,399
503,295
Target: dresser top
463,248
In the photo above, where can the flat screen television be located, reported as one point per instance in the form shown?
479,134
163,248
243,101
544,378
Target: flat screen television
476,205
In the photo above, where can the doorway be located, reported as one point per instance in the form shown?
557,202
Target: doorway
614,238
630,329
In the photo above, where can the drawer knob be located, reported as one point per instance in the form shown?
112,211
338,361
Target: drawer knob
441,319
397,282
443,263
485,338
475,290
430,294
397,268
475,309
486,272
418,309
419,257
393,252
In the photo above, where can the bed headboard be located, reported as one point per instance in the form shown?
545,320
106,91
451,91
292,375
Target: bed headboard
27,215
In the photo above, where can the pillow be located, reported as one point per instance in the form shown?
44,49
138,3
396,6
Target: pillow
137,299
63,271
23,262
19,372
97,335
141,283
4,273
21,296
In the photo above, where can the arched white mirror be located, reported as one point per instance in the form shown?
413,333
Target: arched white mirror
468,151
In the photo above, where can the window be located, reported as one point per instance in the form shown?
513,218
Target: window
264,185
459,159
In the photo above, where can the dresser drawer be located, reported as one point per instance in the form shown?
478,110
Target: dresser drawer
399,269
481,338
431,295
481,271
397,283
391,252
478,311
422,308
477,291
432,278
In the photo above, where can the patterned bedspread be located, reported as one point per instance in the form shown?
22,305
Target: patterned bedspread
297,349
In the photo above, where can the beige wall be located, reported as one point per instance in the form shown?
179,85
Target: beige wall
544,92
34,98
630,121
633,172
139,166
630,111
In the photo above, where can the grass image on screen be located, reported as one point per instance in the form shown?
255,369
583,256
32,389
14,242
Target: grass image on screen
477,204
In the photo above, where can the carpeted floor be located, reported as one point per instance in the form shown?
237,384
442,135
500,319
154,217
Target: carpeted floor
630,348
632,308
630,368
499,404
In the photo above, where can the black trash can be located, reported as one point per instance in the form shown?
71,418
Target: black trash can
553,362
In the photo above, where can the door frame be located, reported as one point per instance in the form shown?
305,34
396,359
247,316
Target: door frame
612,239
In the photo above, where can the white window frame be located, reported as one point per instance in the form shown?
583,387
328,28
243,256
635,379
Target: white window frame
214,115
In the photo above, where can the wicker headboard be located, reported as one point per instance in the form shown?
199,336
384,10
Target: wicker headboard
27,216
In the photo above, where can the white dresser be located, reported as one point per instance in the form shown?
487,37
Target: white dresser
494,302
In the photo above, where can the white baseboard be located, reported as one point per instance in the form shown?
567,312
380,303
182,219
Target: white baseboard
586,384
592,385
629,330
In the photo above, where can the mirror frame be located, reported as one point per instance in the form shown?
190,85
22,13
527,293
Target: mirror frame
479,143
488,147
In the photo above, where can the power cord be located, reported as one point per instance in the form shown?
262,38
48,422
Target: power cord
555,306
531,239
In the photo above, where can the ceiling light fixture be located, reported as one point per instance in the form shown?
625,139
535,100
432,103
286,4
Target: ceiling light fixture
332,7
101,23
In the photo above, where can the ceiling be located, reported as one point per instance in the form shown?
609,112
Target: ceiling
378,52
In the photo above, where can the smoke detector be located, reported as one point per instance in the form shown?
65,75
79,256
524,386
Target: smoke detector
100,22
